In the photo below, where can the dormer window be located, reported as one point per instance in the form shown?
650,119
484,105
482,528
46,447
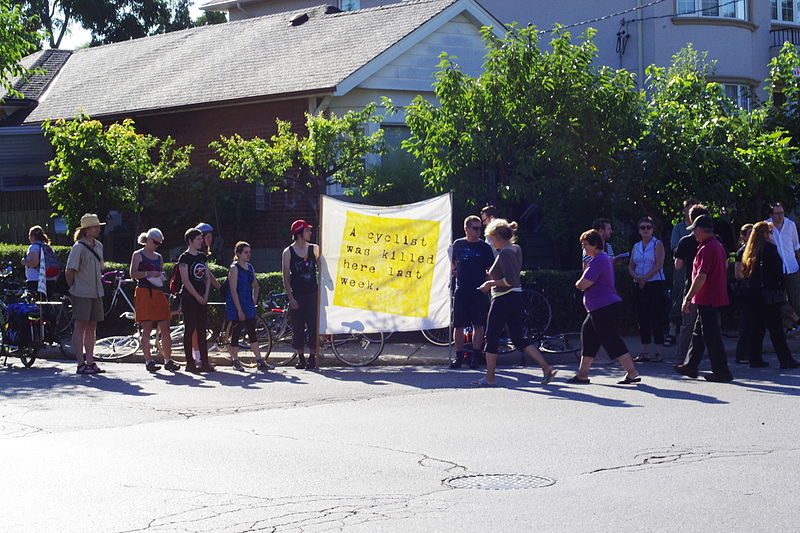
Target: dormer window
349,5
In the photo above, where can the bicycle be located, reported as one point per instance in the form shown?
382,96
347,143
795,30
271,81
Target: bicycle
353,349
220,339
12,292
562,343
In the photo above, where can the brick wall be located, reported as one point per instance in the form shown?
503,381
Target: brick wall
263,229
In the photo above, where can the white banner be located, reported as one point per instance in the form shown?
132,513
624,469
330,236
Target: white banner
385,268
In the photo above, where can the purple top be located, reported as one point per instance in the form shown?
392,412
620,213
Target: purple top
603,292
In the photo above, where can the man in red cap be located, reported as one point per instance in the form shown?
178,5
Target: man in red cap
299,266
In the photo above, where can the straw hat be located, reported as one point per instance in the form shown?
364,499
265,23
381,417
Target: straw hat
90,220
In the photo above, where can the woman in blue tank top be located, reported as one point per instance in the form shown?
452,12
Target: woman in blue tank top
240,305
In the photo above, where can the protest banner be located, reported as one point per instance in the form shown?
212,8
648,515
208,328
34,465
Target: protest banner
385,268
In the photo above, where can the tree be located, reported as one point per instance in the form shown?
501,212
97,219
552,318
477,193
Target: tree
697,142
542,126
109,21
99,169
332,151
18,35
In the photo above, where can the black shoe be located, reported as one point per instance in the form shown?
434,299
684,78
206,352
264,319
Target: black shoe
686,371
207,368
790,365
577,380
192,368
312,363
151,366
301,364
717,378
172,366
455,364
474,360
758,364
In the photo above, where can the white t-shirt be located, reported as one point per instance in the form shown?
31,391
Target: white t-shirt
787,242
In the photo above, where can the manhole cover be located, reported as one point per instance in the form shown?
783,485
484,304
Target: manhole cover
498,482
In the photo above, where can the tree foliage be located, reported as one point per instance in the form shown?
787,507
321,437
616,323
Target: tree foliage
18,38
111,21
333,150
99,169
697,142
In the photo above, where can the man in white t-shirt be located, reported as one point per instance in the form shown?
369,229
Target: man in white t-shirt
784,232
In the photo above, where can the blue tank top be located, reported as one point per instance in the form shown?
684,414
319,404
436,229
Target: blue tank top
244,289
148,265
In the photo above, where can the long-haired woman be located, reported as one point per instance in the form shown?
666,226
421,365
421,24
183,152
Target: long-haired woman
762,264
240,304
506,309
35,254
745,299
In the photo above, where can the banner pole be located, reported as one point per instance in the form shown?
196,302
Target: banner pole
451,329
319,285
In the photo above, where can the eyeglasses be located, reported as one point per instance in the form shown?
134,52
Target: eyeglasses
645,227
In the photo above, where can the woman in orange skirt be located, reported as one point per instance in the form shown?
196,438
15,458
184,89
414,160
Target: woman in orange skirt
150,302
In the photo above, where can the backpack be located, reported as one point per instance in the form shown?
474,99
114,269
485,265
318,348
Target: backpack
24,326
51,266
175,282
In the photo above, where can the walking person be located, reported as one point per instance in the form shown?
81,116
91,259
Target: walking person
684,257
762,265
646,269
240,305
207,231
746,300
784,233
506,309
150,302
679,231
299,267
471,257
84,272
604,307
35,262
709,292
194,299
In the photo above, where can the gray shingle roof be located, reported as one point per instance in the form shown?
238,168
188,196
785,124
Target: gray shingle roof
256,57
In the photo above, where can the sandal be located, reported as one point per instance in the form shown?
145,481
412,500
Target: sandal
628,380
96,369
580,381
656,358
642,358
83,368
483,383
548,378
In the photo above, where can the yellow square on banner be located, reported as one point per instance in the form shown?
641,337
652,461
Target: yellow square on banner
386,264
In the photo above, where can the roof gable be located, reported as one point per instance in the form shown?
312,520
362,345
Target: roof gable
252,58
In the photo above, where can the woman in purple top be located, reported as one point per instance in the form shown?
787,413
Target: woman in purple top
604,307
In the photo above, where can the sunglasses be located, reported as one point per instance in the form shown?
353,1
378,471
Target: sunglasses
157,243
645,227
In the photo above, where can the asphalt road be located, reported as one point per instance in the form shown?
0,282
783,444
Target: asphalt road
376,449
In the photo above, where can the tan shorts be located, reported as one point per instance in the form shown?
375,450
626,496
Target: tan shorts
151,304
87,309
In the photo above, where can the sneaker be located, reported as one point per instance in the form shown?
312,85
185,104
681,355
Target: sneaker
172,366
151,366
719,378
261,364
237,365
473,360
792,332
312,363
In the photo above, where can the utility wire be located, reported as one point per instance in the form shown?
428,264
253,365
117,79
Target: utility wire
638,8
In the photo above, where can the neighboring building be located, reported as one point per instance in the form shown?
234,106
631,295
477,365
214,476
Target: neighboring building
239,77
740,35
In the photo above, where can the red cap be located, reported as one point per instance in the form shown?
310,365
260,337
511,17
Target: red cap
299,225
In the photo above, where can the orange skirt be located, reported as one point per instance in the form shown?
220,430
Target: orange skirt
151,305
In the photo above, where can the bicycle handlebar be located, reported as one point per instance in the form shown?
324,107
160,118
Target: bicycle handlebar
109,277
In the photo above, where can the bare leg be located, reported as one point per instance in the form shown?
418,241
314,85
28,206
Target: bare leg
477,337
491,364
166,341
534,353
77,341
459,339
256,349
147,328
627,363
88,341
586,364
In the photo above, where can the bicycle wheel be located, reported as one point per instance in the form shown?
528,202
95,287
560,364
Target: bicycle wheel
537,313
372,337
281,352
355,349
439,337
27,354
562,343
116,347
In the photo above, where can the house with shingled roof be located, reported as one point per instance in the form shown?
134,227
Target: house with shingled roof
240,76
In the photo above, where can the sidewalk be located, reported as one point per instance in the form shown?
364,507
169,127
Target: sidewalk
412,352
